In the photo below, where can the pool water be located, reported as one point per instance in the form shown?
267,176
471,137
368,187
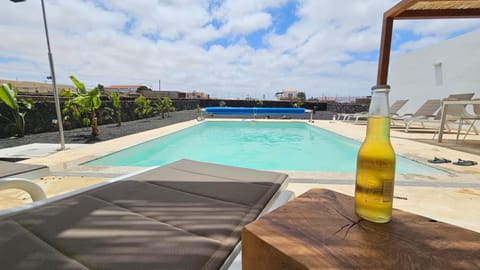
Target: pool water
286,146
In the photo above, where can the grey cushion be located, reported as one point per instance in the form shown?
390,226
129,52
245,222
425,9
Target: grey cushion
8,169
185,215
21,249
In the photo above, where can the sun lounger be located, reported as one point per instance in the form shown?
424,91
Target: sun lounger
394,108
20,170
184,215
454,114
470,119
351,116
19,176
427,110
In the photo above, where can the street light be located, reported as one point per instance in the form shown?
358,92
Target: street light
52,75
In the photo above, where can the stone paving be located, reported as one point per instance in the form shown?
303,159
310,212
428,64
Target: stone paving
453,197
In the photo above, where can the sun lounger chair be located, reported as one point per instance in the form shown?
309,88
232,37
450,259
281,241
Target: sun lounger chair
20,170
358,116
394,108
469,119
345,116
19,176
454,113
427,110
184,215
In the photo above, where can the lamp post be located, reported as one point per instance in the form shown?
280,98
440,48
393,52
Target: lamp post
52,74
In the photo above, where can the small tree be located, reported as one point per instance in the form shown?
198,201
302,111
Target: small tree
164,106
301,95
168,105
143,109
116,106
159,107
8,94
88,101
74,110
298,104
142,88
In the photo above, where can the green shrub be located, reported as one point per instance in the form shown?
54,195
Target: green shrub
143,109
8,94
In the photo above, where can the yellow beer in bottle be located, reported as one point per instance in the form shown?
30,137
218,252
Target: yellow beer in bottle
376,163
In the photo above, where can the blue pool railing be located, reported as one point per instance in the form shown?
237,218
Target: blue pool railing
255,111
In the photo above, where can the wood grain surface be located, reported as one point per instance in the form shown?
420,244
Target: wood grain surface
320,230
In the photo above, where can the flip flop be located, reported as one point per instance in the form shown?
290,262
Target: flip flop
439,160
462,162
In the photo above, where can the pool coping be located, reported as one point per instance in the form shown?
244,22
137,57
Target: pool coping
69,161
436,197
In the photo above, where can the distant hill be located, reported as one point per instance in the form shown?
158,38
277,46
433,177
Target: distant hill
35,87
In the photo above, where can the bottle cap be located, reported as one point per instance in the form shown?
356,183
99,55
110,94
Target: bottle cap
381,86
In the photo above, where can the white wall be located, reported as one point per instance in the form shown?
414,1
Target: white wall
413,76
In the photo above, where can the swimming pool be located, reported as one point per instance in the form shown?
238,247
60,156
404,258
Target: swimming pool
286,146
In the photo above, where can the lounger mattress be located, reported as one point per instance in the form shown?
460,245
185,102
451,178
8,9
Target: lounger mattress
185,215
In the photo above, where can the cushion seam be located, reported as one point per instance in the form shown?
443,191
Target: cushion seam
224,177
150,218
196,194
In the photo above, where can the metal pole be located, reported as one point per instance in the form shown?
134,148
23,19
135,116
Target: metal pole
54,83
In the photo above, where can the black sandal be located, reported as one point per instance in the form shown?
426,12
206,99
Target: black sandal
439,160
462,162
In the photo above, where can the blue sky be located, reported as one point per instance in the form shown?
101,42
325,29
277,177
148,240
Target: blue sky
227,48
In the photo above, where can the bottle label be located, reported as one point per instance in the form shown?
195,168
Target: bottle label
382,193
387,191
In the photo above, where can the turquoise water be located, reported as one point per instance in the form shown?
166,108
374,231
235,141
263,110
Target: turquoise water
284,146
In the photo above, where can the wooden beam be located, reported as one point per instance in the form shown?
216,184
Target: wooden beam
438,14
385,47
399,8
386,39
401,11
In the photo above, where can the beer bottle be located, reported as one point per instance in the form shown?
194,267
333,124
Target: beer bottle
376,162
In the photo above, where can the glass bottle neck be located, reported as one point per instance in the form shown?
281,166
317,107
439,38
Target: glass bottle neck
379,104
378,127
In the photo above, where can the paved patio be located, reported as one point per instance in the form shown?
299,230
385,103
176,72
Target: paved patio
453,197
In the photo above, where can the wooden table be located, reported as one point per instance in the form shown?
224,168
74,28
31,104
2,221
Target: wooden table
320,230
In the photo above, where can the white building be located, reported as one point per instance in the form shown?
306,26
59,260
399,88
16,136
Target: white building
122,88
287,94
450,67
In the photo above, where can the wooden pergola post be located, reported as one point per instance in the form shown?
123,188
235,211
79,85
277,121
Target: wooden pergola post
385,45
419,9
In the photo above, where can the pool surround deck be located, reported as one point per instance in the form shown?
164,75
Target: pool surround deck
438,196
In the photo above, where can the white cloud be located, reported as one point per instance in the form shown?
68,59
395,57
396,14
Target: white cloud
248,23
143,41
440,28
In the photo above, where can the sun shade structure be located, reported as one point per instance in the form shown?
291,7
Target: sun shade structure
420,9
